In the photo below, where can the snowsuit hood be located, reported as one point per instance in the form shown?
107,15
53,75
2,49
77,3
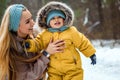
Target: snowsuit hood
53,5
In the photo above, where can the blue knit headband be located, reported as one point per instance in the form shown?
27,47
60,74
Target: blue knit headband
54,13
15,16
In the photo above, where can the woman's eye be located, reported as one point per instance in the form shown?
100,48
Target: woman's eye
52,18
27,22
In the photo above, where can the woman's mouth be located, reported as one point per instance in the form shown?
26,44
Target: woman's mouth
31,29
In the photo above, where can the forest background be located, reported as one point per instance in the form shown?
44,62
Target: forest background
97,19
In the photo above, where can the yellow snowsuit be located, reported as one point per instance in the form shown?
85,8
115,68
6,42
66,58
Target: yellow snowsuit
66,65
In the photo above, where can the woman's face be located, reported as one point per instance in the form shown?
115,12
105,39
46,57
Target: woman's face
26,24
56,22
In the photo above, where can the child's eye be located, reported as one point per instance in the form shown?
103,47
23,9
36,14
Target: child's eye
59,17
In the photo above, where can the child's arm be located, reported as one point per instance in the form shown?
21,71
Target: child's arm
31,45
34,44
53,47
82,43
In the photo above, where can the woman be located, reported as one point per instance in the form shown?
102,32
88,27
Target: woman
15,62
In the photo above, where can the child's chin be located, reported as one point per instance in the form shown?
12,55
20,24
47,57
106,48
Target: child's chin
57,26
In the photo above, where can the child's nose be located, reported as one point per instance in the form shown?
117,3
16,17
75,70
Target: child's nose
56,19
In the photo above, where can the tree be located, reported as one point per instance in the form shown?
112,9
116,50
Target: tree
3,4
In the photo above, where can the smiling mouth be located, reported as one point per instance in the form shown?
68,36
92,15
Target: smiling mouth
57,23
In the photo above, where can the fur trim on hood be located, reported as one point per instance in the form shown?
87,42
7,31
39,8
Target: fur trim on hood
42,13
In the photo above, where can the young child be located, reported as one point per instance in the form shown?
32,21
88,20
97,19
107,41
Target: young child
56,19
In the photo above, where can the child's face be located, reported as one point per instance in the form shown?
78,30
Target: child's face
56,22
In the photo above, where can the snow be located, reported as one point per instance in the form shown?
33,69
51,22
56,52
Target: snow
108,62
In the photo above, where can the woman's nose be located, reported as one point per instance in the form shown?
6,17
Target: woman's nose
32,22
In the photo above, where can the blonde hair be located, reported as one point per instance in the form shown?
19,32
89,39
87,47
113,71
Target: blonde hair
7,54
4,46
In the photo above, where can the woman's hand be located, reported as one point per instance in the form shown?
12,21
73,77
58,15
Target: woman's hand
56,46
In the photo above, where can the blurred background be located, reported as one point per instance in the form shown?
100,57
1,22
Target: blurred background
97,19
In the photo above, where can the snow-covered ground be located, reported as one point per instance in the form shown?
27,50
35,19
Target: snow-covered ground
108,62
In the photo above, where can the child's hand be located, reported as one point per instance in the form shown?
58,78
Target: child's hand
29,46
93,59
55,47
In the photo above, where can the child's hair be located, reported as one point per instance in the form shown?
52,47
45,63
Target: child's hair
53,5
